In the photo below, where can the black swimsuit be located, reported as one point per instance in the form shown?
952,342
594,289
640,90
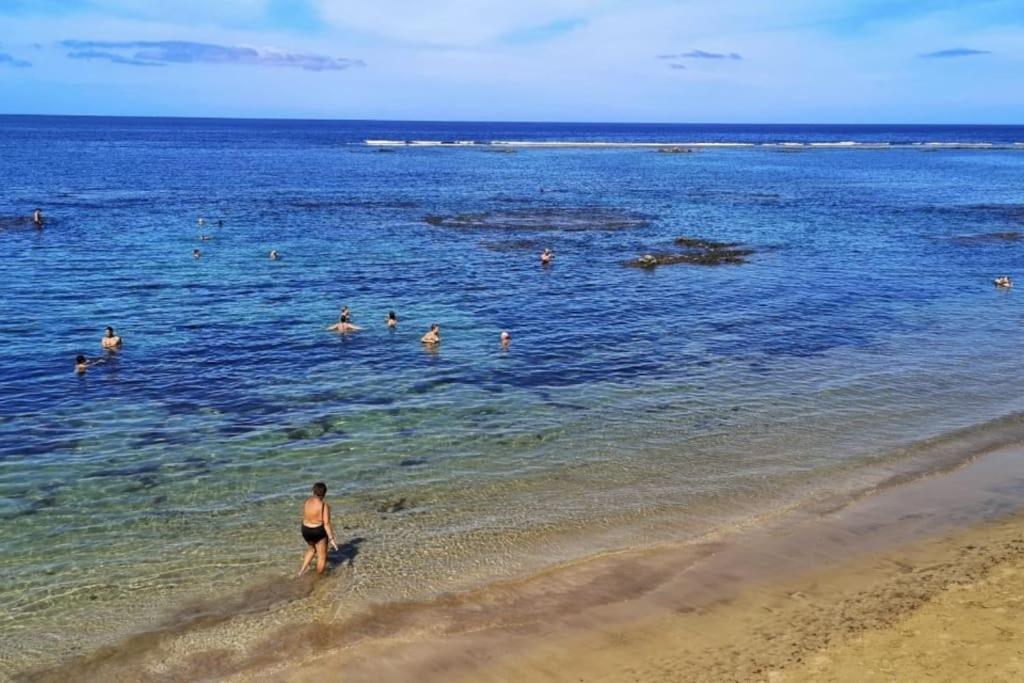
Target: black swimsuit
315,534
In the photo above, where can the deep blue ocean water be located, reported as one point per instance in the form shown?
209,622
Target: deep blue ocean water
864,320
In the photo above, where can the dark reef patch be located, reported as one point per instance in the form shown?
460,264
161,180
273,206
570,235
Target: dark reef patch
568,219
697,252
988,237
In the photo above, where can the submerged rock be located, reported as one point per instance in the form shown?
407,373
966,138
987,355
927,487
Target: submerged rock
389,507
579,218
1006,236
697,252
697,243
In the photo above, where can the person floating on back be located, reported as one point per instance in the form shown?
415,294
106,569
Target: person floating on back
316,529
392,319
111,341
433,336
546,256
344,325
37,218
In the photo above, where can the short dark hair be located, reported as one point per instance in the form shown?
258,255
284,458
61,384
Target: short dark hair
80,359
391,314
319,489
110,329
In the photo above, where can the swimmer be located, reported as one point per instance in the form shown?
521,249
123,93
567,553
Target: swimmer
1003,281
37,218
316,529
82,363
344,325
392,319
546,256
205,238
506,339
433,336
273,255
200,221
345,314
111,341
196,253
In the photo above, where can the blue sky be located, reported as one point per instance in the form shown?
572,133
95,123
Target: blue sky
925,61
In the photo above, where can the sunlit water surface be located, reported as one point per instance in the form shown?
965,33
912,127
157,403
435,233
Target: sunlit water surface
632,406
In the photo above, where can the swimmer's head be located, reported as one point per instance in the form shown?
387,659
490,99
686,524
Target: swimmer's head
80,359
319,489
392,316
435,327
110,331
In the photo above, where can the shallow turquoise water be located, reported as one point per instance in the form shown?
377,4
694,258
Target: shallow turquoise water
865,320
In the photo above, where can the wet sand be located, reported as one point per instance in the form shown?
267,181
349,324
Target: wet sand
885,584
923,581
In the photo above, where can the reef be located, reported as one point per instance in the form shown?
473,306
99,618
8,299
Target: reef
697,252
570,219
984,238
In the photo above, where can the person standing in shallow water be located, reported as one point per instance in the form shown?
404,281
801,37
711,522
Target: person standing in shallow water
316,529
110,340
433,337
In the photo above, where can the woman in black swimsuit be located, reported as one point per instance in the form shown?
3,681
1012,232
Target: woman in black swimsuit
316,529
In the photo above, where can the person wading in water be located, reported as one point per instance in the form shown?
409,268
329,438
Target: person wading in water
317,529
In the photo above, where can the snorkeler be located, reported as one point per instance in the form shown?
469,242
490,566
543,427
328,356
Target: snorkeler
392,319
316,529
433,336
344,325
506,339
110,341
546,256
37,218
205,238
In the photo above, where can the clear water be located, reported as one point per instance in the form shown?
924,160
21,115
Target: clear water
631,405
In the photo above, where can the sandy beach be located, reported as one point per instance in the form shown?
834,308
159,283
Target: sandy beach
891,587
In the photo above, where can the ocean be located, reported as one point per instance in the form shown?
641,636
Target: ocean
160,490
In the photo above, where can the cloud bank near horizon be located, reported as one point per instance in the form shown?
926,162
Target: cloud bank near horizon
954,52
165,52
10,60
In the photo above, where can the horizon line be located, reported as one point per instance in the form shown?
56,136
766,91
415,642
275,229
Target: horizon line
499,121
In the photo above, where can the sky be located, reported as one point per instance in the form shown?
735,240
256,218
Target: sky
728,61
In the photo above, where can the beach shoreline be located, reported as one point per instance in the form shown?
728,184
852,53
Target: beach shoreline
814,600
609,616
